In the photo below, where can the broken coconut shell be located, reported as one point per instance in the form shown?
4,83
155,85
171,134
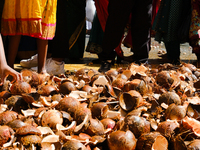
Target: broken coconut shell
120,140
169,98
66,87
130,100
152,140
5,134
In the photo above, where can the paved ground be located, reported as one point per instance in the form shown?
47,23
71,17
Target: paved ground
186,56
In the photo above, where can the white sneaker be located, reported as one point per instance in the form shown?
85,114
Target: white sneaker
31,62
53,67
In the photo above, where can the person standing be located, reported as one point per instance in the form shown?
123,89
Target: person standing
69,40
35,18
76,28
194,32
90,11
119,12
96,37
167,24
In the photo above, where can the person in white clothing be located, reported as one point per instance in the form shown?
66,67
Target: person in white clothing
90,11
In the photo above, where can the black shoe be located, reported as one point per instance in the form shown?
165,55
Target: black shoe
175,62
96,61
136,60
119,60
105,66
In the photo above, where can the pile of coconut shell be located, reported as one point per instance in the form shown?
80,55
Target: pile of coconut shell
124,109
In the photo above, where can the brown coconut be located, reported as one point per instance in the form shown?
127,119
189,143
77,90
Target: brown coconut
137,125
121,140
152,140
5,134
20,87
130,100
66,87
169,98
68,104
136,84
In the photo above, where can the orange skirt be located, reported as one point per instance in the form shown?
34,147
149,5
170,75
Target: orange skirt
35,18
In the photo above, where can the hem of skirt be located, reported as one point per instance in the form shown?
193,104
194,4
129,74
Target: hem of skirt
31,35
33,28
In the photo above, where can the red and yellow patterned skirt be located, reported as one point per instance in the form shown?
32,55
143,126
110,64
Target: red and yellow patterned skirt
35,18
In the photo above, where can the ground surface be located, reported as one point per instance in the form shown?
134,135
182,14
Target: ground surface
186,56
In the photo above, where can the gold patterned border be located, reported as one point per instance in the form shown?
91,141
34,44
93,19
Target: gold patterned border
33,28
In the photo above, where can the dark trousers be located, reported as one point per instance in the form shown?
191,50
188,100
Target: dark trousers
173,50
119,12
59,46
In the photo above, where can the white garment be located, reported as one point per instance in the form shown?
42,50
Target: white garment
90,10
88,25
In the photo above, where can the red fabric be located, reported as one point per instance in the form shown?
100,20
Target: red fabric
119,50
156,5
102,12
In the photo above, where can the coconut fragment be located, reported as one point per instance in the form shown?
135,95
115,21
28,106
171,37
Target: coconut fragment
3,108
176,82
45,130
194,100
61,127
80,126
28,112
107,130
39,105
54,103
80,84
163,105
154,124
41,113
191,123
50,139
44,101
86,141
79,95
113,114
152,141
156,96
101,81
48,146
160,143
12,139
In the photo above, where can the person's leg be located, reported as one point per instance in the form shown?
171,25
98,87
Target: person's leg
12,49
140,29
59,46
119,12
173,51
42,46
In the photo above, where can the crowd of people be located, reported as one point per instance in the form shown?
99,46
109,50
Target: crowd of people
59,27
